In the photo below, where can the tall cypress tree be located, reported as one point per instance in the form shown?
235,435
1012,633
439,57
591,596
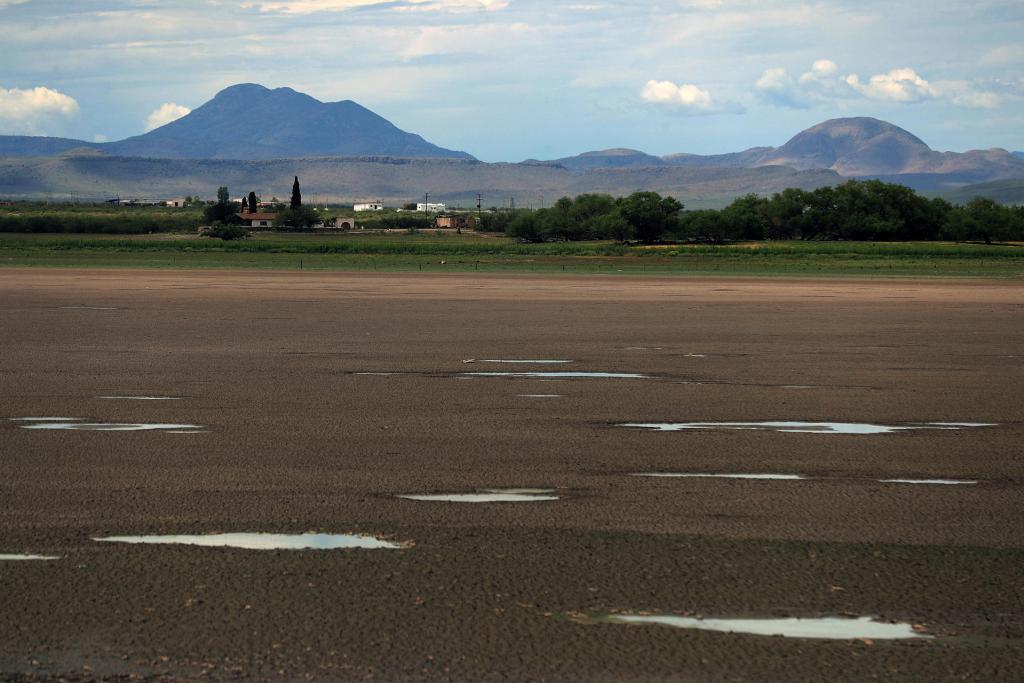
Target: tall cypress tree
245,205
296,194
254,203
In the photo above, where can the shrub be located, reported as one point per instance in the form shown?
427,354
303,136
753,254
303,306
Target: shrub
228,232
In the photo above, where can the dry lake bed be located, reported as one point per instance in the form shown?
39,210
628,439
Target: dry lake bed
255,475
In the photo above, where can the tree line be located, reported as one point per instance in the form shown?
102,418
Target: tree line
869,210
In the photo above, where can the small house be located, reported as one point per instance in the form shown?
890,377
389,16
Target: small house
456,222
256,219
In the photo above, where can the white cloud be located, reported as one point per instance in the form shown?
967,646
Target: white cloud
821,70
685,95
32,110
965,94
314,6
164,114
823,84
898,85
778,87
439,40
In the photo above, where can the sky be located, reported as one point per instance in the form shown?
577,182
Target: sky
507,80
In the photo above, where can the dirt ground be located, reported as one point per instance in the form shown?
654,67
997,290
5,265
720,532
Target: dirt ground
296,440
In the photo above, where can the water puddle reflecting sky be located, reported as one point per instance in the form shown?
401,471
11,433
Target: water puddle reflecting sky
796,477
89,308
938,482
561,375
487,496
833,628
140,398
698,475
524,362
263,541
78,424
16,558
805,427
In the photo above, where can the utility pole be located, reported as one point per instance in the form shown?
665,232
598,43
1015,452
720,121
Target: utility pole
426,202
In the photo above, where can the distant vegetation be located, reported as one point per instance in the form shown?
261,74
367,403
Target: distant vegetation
864,211
854,211
97,218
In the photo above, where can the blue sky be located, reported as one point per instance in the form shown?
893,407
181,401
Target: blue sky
508,80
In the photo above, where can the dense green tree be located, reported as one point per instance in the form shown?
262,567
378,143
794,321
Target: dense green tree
985,220
650,215
296,194
746,218
296,218
254,202
223,211
524,226
612,226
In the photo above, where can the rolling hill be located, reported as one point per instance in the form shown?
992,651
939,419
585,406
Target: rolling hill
345,179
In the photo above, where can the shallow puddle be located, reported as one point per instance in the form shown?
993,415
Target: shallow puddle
949,482
795,477
561,375
487,496
141,398
833,628
78,425
539,395
17,558
261,541
524,362
698,475
89,308
805,427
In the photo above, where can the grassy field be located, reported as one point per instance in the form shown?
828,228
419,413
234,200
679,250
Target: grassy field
432,252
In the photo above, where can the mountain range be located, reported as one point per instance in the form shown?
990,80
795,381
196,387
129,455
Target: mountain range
252,135
859,147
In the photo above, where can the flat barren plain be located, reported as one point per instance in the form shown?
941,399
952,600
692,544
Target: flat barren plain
203,402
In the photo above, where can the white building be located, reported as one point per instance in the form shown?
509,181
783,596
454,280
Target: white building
369,206
436,208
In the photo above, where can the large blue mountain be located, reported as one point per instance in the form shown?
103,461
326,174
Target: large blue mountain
249,121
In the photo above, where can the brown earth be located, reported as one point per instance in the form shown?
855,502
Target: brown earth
299,442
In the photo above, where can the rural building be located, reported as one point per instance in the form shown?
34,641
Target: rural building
342,223
176,203
458,222
369,206
257,219
436,208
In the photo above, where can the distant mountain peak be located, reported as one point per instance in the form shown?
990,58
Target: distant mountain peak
251,121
